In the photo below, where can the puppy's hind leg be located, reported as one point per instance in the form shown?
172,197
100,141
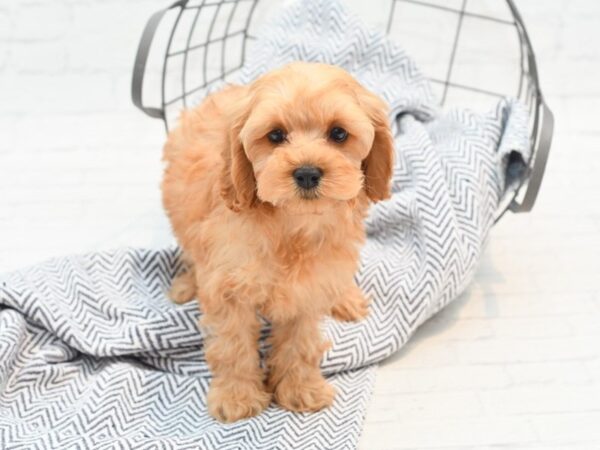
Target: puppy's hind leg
351,306
183,286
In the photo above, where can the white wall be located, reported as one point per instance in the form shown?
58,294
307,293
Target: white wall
78,163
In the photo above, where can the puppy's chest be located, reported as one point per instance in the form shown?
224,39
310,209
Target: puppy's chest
312,265
299,257
302,265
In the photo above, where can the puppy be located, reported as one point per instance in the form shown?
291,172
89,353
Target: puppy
266,187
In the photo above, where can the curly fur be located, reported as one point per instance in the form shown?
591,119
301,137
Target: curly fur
255,246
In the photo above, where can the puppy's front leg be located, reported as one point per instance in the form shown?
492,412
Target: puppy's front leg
237,389
294,374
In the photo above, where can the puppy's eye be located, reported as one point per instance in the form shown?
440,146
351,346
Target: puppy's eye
338,134
277,136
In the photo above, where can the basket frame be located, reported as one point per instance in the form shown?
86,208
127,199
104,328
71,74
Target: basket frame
524,196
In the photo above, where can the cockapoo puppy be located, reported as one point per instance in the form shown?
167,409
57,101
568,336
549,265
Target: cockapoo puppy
266,187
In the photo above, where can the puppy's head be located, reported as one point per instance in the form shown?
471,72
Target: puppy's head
304,137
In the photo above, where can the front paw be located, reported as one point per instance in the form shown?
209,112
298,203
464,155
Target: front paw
304,393
232,401
353,306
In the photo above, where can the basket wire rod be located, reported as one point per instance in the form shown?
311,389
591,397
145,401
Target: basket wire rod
531,64
224,46
543,142
521,63
201,86
141,61
534,92
511,203
467,88
206,51
204,44
537,98
216,3
390,17
533,102
186,53
460,11
454,48
246,35
522,60
166,61
521,78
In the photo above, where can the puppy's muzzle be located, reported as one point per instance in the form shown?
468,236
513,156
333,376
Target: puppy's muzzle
307,177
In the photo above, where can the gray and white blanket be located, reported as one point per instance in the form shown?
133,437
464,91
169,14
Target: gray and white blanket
93,355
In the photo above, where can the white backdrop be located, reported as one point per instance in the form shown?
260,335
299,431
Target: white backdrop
78,163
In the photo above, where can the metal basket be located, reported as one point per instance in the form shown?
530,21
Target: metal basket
206,41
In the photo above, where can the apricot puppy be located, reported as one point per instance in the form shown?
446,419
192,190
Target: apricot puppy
266,187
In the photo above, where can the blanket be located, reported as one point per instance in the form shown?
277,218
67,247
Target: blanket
93,354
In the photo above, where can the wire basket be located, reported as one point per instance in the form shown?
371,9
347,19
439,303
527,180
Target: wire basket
473,53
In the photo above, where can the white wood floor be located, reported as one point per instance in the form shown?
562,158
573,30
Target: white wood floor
512,363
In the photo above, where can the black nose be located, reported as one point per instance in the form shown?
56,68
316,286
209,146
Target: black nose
307,177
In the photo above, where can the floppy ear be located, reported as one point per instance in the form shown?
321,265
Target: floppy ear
379,163
238,184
